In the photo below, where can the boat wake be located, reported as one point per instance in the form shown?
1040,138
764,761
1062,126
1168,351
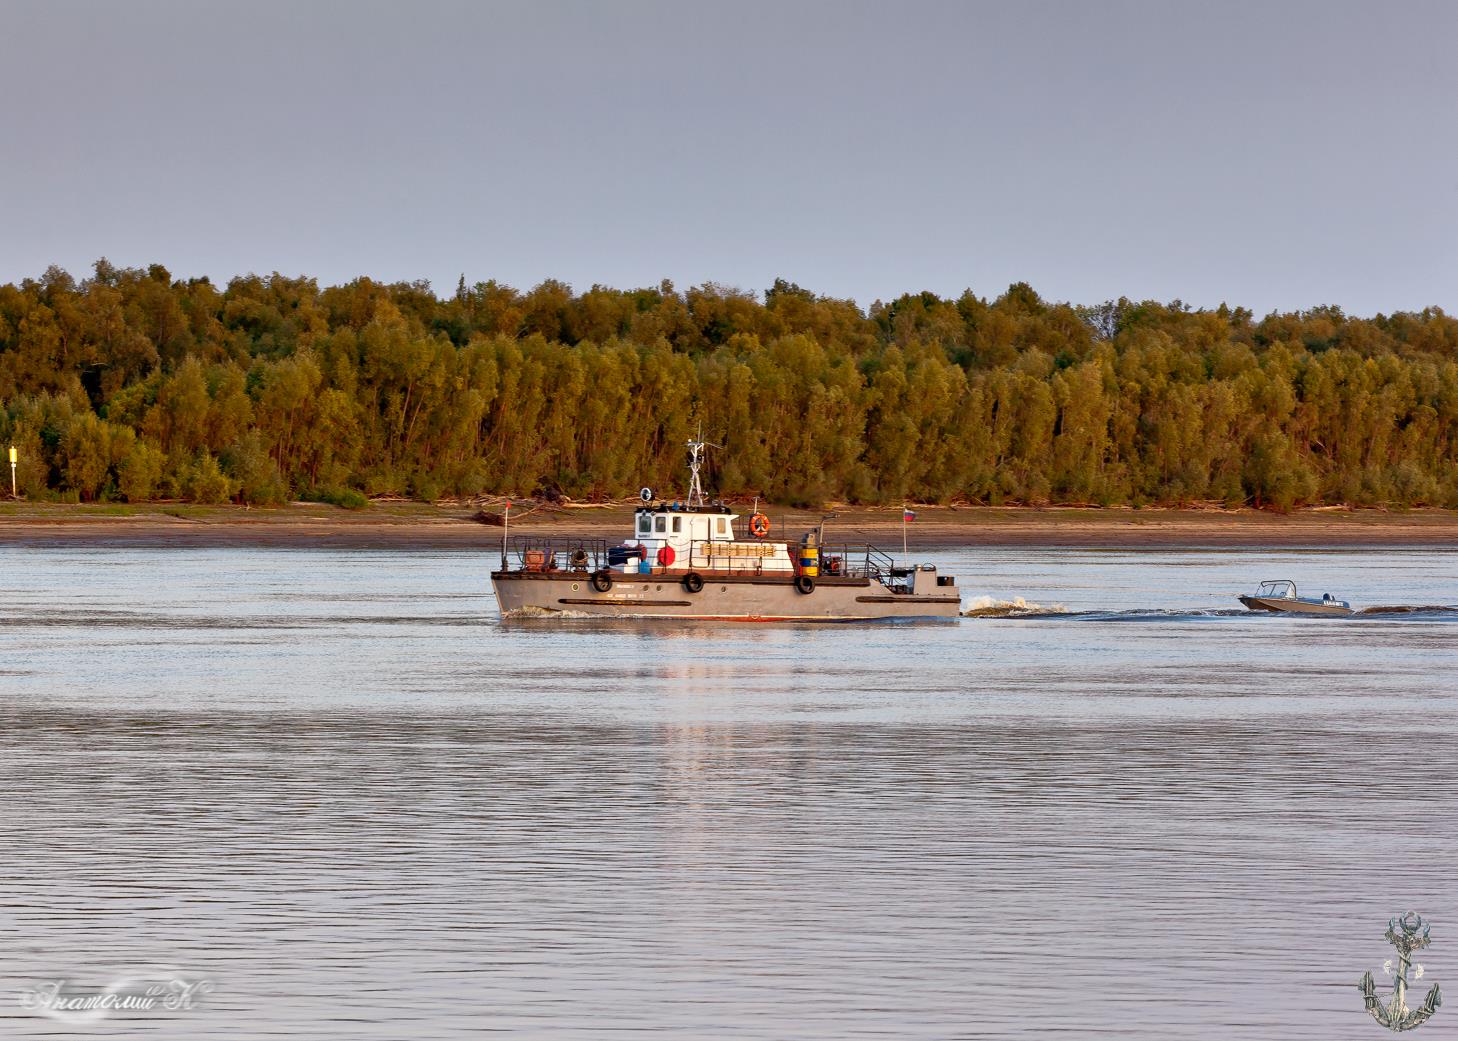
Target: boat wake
1145,614
991,607
1407,611
532,611
1002,609
988,607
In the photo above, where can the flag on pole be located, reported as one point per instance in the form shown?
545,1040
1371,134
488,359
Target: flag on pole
908,515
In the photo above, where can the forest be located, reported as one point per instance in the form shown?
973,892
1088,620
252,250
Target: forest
133,385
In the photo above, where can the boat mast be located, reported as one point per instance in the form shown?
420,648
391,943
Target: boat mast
696,446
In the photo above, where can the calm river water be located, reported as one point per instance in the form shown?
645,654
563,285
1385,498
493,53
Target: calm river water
338,789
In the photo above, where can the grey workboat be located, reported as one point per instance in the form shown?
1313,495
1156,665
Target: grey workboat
1280,595
697,559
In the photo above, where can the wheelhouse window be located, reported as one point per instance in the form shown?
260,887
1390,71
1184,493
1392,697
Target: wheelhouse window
660,524
645,525
721,526
677,525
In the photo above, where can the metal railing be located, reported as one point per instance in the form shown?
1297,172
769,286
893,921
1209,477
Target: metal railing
853,560
536,553
840,560
747,557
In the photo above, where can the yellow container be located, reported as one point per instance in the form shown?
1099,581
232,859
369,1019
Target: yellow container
810,561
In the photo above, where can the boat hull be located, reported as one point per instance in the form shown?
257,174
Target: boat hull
723,598
1286,605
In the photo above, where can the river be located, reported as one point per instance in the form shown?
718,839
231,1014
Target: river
337,788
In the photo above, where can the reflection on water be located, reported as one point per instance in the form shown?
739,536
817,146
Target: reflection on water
337,786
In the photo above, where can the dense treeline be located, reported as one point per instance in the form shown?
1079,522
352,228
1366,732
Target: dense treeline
133,385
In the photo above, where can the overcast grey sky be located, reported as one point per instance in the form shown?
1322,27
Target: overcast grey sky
1276,155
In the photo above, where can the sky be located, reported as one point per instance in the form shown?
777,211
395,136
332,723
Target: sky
1273,155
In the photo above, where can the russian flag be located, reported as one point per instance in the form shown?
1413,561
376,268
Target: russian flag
908,515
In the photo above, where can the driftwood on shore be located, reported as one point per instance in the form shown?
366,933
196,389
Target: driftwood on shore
422,527
499,520
491,509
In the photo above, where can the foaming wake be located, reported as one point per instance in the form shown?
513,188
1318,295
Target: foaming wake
1435,610
533,611
991,607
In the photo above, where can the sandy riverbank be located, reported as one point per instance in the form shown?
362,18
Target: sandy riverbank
405,525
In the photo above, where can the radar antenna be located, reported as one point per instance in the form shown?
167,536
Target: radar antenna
696,446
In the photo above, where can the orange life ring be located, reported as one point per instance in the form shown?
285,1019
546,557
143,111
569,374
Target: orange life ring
665,556
759,525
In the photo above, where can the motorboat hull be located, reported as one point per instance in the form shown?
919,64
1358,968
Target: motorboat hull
1289,605
727,597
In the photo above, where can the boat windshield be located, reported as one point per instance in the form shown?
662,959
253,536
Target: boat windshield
1281,588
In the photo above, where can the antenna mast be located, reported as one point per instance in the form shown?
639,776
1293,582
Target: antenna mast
696,446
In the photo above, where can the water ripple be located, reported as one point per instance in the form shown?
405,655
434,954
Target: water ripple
365,813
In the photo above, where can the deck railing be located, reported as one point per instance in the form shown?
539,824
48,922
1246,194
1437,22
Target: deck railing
840,560
537,553
737,558
853,560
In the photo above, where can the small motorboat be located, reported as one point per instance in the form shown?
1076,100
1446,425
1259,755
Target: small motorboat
1280,595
